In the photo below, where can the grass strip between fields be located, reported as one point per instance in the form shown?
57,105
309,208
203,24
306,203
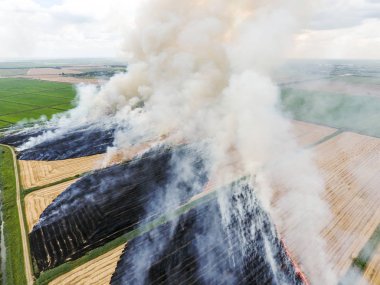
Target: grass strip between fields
15,268
33,189
326,138
50,275
361,262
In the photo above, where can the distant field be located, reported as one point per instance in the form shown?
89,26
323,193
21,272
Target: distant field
354,113
13,71
30,99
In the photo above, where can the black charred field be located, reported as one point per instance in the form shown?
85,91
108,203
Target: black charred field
111,202
115,225
129,202
200,248
101,225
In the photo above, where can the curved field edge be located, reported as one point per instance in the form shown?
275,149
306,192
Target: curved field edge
15,267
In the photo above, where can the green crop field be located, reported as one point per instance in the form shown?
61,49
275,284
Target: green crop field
22,99
347,112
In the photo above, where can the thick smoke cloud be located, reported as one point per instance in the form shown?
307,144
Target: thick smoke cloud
201,70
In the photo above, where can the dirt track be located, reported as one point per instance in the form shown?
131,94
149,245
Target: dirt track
95,272
37,201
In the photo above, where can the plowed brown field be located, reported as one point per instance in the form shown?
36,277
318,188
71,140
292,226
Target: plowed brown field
37,201
95,272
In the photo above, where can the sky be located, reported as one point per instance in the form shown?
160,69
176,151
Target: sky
93,28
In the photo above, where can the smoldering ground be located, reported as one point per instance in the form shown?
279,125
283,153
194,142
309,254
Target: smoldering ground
201,70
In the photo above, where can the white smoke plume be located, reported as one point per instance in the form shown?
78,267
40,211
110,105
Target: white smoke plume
202,70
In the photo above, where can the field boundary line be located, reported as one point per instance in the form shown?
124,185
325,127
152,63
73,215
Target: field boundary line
39,108
361,262
34,92
338,128
27,104
27,260
1,120
326,138
27,191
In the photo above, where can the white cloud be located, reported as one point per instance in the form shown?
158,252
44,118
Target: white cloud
93,28
342,29
338,14
357,42
66,28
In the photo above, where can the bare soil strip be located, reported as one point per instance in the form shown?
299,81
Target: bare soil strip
95,272
37,201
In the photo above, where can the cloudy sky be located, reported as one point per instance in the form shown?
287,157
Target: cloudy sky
92,28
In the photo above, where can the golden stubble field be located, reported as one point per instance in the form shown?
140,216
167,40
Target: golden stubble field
307,134
40,173
37,201
95,272
105,265
349,163
372,273
350,166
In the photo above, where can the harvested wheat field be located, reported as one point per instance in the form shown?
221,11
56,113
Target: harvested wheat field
372,273
350,166
307,134
36,202
97,271
39,173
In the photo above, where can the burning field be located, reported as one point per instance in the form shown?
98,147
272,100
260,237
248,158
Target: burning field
187,168
75,217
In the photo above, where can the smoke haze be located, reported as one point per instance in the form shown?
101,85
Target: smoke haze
201,70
